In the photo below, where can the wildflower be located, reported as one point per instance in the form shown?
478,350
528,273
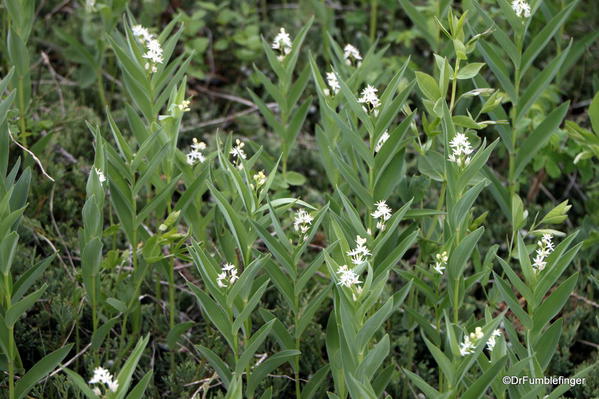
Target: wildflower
153,53
348,278
227,276
466,347
381,214
260,178
360,253
382,140
302,222
350,52
471,341
370,98
90,5
461,150
492,339
521,8
103,376
237,151
101,175
282,43
184,106
195,155
545,248
333,83
441,262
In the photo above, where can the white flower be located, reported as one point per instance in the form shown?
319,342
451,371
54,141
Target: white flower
521,8
545,248
141,33
195,155
260,178
302,222
90,5
333,83
101,175
466,347
382,213
492,339
347,277
184,106
349,53
382,140
103,376
461,150
237,151
370,98
282,43
360,253
441,262
471,341
227,276
153,47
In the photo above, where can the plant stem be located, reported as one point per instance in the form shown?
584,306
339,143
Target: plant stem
373,19
454,84
11,342
171,304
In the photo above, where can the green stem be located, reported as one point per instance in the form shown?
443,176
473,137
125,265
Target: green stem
373,19
171,304
22,112
11,343
101,91
454,84
456,298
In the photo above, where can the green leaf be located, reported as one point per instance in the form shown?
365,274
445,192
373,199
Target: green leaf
81,384
312,387
470,70
252,346
553,305
260,372
540,83
538,138
477,389
175,333
461,254
428,85
40,370
139,391
219,366
18,309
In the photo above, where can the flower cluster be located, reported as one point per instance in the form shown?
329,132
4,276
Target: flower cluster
260,178
382,213
471,341
103,376
461,150
183,106
360,252
545,247
195,155
349,53
153,53
333,83
370,98
302,222
441,262
238,153
282,43
521,8
381,141
101,175
348,278
227,276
